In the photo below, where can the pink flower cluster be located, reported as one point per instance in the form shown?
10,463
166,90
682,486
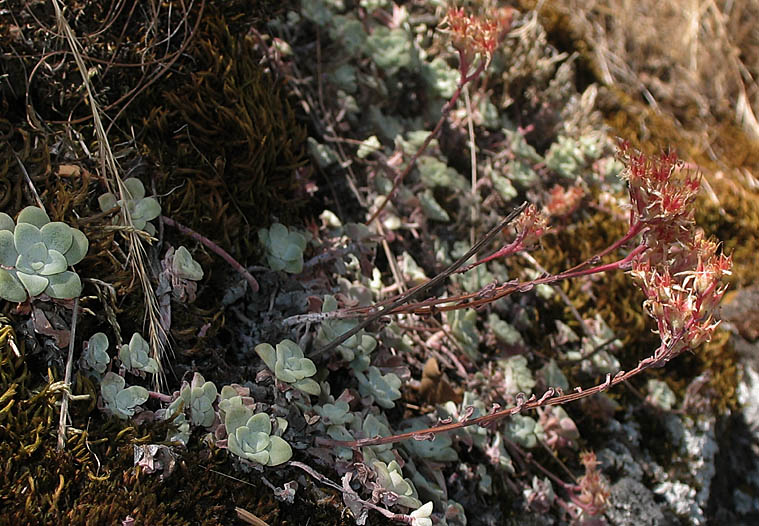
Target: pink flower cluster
593,487
472,35
681,271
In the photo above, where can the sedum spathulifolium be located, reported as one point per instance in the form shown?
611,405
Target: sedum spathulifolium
199,396
119,400
284,248
289,365
136,355
35,254
355,349
250,436
384,388
141,209
96,356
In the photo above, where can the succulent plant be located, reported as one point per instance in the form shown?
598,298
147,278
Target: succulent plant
35,254
337,413
120,401
181,430
284,248
517,376
250,437
438,449
141,209
553,376
96,355
355,349
463,325
384,388
199,396
183,265
523,430
390,477
374,426
503,331
392,49
136,355
289,365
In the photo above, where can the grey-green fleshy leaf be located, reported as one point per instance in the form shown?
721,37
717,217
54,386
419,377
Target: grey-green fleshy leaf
185,267
34,284
289,365
34,216
8,254
57,236
11,288
65,285
6,222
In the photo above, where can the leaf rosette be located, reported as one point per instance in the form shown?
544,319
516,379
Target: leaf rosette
284,248
35,254
141,209
250,437
289,365
136,355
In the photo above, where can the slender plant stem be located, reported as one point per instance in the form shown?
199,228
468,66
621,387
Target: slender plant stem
434,133
382,310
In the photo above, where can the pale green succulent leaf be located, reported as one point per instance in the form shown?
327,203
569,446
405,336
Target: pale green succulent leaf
278,238
267,353
185,267
8,253
35,285
64,286
26,236
279,451
99,341
259,423
135,188
57,236
78,249
147,209
54,263
107,201
110,386
309,386
6,222
11,288
235,417
34,216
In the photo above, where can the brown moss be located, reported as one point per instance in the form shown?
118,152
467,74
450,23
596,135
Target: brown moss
227,140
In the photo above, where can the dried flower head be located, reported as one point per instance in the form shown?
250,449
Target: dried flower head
593,487
662,189
531,226
474,35
680,271
683,286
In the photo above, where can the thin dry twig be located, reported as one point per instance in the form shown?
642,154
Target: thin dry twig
137,254
67,379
